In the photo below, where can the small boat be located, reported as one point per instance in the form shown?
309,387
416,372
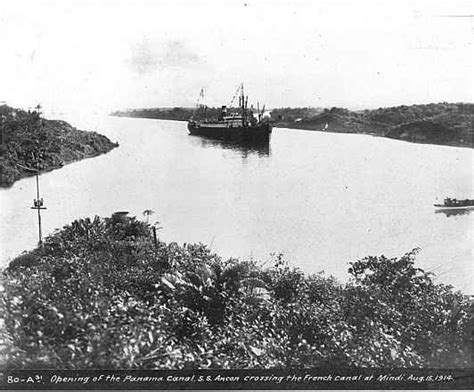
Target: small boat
241,124
455,204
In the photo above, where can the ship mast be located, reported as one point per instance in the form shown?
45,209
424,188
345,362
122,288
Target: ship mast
243,105
199,103
241,102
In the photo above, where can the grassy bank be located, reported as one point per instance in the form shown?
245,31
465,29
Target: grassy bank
103,293
29,141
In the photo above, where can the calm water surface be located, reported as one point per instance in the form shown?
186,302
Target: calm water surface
322,199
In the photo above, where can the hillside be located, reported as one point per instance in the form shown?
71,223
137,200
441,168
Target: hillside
29,141
441,123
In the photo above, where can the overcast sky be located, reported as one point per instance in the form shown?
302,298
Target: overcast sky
105,55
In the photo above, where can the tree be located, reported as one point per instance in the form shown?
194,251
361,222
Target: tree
147,213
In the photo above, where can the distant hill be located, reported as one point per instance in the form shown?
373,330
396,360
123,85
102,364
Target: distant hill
179,114
440,123
27,140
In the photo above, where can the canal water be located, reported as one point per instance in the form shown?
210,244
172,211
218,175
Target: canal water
321,199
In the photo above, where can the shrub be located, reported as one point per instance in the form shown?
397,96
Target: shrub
102,294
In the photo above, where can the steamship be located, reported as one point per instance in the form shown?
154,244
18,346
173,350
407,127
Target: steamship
241,124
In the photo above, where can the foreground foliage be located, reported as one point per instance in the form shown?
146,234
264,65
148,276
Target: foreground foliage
103,293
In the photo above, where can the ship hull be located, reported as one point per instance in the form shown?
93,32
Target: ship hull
250,134
443,207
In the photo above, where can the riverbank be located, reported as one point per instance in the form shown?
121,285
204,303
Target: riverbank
106,293
447,124
29,141
442,124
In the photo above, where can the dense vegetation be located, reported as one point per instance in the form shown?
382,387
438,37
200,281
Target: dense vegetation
177,113
291,115
29,142
105,293
442,123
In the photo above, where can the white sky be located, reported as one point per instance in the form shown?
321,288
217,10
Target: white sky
106,55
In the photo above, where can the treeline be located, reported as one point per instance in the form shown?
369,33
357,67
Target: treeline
291,115
30,142
177,113
441,123
106,293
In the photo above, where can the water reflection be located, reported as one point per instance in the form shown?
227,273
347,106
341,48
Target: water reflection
260,149
453,212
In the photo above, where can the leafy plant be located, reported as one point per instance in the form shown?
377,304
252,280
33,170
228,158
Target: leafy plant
102,293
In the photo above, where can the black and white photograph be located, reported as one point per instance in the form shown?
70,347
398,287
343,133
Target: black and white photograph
242,194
